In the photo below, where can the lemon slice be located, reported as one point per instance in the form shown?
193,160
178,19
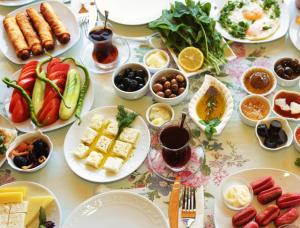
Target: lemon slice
190,59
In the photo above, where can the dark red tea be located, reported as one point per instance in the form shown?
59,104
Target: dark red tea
104,50
176,151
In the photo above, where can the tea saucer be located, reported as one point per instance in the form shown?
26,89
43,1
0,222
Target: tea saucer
123,56
159,167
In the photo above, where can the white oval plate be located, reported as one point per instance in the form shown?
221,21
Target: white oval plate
5,123
208,81
99,175
133,12
53,211
28,126
116,209
63,12
294,32
281,31
15,2
289,182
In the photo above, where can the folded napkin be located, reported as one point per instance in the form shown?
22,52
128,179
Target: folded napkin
199,222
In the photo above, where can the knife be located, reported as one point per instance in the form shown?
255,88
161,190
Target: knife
174,204
93,15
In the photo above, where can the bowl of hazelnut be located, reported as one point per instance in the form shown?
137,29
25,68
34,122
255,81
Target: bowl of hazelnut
169,86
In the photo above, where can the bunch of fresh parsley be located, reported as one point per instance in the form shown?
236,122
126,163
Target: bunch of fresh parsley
124,118
210,127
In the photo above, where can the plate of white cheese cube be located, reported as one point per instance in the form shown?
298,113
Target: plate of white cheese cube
96,151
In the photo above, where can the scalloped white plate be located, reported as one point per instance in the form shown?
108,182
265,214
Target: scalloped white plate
208,81
288,181
15,2
117,209
53,211
66,16
28,126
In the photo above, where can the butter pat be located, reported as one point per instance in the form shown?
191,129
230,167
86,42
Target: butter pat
156,59
237,195
159,115
11,197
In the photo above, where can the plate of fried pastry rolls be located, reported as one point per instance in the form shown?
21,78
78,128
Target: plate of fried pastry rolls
29,32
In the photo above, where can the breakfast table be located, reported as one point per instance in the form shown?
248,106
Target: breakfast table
235,149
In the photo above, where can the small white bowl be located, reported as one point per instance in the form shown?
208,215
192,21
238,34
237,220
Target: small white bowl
247,120
27,137
285,126
152,69
284,82
263,69
273,104
134,94
212,81
296,143
235,181
171,101
166,106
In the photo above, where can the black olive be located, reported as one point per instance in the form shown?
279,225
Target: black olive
32,157
40,148
297,69
289,71
127,71
294,63
140,80
20,161
126,82
262,130
286,63
140,86
131,75
280,71
133,85
275,126
270,143
282,137
121,86
141,73
118,79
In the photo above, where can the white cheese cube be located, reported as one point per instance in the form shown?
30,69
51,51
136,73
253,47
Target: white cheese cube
129,135
122,149
81,151
3,220
94,159
295,108
112,128
16,220
4,209
103,144
88,136
19,207
281,102
96,122
113,164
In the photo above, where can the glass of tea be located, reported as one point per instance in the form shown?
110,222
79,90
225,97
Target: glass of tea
105,53
175,145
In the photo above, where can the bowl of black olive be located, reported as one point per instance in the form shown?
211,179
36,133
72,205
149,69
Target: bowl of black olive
29,152
131,81
274,133
287,71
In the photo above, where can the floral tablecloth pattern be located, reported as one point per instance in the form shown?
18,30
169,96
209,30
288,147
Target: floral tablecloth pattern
234,150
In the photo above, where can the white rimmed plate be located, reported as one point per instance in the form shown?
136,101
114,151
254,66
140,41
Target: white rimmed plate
63,12
294,32
209,81
28,126
53,211
288,181
99,175
281,31
116,209
133,12
5,123
15,2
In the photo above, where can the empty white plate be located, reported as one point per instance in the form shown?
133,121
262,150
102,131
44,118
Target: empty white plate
116,209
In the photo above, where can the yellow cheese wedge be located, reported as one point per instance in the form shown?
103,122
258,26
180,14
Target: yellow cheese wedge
15,189
11,197
34,205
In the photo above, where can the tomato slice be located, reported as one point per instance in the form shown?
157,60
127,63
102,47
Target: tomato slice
29,64
20,111
27,84
52,63
57,74
28,74
28,69
15,96
50,111
59,67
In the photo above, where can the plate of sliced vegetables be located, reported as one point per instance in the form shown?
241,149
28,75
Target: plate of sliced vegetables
48,95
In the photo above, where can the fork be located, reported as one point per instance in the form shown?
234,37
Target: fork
188,210
84,21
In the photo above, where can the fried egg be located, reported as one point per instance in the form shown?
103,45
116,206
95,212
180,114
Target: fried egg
261,24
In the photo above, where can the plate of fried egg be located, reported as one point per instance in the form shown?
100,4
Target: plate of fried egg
252,21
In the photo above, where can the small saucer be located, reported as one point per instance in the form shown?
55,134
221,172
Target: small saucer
159,167
123,56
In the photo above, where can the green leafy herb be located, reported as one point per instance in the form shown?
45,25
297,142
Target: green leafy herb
2,146
210,127
272,4
124,118
297,162
42,217
190,24
266,27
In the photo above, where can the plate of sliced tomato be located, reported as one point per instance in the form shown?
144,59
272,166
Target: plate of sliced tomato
48,94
